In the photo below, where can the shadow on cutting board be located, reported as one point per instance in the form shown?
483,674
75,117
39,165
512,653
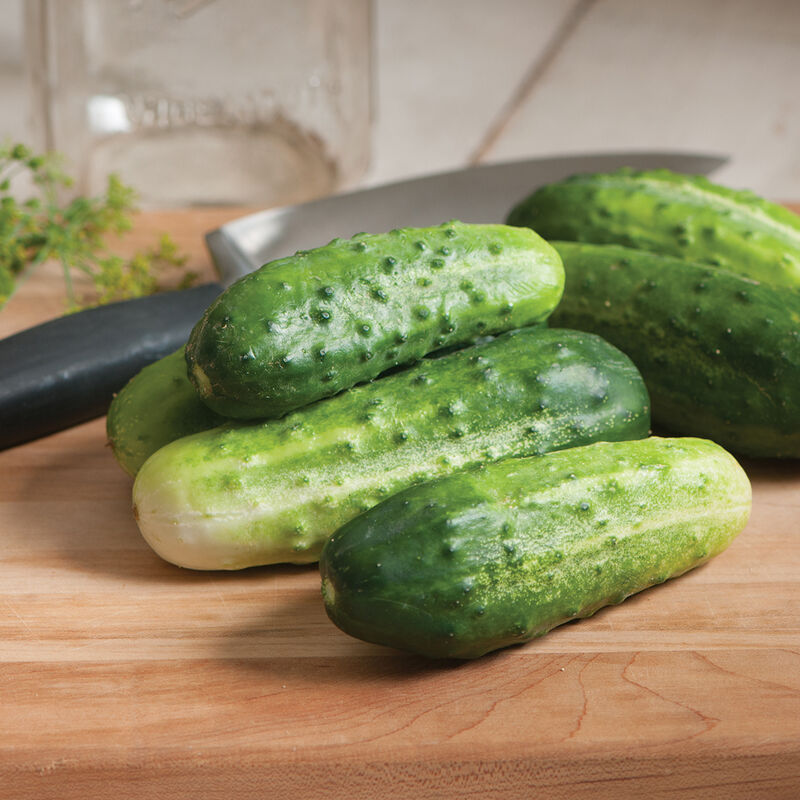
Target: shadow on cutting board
293,635
288,632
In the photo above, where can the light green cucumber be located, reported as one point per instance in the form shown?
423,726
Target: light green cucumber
679,215
495,556
720,353
307,326
157,406
260,493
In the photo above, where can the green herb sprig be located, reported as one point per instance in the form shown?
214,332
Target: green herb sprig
42,227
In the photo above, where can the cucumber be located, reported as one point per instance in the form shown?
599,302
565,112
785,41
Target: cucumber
260,493
678,215
720,353
306,327
157,406
487,558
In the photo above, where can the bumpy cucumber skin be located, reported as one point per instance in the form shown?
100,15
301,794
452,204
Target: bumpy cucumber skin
678,215
720,353
487,558
270,492
308,326
157,406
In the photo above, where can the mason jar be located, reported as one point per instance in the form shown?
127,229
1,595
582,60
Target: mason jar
204,102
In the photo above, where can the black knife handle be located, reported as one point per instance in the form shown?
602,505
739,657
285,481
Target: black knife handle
65,371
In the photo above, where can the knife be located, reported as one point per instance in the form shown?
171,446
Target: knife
66,371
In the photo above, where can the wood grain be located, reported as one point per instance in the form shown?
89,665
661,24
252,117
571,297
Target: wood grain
123,675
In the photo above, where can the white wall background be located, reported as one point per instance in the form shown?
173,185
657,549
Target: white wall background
459,81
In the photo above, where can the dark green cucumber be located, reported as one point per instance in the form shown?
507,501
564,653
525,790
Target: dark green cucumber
678,215
157,406
308,326
261,493
487,558
720,353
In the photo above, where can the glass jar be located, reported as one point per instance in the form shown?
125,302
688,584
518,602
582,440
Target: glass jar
205,102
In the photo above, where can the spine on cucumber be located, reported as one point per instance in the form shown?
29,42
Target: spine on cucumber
720,353
269,492
306,327
678,215
491,557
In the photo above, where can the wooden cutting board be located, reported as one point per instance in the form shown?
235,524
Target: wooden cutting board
121,675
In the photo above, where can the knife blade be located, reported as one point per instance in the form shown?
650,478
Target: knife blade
66,371
484,193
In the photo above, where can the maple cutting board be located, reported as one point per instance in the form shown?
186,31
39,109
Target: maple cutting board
123,676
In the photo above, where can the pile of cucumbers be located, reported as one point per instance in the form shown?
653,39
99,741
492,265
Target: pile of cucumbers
455,421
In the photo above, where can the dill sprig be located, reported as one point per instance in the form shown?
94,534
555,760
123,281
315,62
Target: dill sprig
42,227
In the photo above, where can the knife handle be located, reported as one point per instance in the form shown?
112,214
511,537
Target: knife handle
66,371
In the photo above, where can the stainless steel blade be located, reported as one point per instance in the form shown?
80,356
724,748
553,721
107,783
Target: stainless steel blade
475,194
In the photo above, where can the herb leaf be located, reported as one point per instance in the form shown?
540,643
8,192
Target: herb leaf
43,227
